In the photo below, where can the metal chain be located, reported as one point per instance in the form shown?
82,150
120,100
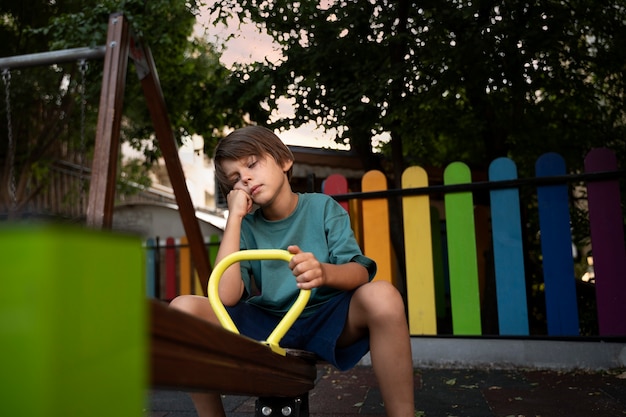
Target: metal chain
6,77
82,65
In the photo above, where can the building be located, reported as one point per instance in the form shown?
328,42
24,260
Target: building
153,212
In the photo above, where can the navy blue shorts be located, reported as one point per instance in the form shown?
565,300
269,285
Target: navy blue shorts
317,333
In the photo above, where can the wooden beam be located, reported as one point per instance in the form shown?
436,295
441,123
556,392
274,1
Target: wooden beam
192,354
146,70
104,166
52,57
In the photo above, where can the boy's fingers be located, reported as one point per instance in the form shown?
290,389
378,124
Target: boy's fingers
294,249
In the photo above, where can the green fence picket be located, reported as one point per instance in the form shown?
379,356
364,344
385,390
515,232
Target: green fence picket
461,238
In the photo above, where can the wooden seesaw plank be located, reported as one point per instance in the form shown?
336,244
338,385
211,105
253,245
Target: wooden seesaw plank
191,354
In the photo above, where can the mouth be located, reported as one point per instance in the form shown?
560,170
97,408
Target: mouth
254,190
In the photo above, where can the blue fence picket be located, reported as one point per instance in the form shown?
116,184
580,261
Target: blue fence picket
607,240
508,251
556,247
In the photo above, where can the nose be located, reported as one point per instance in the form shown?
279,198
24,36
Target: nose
244,179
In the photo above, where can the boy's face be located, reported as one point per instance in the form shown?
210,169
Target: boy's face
261,177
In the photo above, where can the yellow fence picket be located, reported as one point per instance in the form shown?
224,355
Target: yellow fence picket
419,255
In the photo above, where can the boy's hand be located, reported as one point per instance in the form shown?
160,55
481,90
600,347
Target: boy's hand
239,203
306,268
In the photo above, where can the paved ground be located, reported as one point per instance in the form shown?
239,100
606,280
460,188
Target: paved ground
445,393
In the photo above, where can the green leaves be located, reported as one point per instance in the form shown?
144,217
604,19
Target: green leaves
453,80
201,95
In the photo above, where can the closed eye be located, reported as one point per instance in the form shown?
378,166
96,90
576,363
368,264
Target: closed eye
234,180
236,175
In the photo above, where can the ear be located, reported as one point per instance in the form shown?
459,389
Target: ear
287,165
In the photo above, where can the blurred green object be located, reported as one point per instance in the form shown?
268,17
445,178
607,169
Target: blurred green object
73,325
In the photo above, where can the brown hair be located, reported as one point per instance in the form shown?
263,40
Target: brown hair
249,141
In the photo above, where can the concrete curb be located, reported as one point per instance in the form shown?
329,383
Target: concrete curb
514,353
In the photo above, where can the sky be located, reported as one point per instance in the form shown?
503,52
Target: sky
248,45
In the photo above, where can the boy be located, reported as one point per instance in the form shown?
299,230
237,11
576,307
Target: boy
347,314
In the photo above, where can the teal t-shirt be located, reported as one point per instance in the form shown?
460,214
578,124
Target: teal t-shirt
318,225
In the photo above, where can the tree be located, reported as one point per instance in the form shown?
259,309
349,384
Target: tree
45,102
449,80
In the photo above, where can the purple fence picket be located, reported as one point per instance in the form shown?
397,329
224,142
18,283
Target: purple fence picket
607,240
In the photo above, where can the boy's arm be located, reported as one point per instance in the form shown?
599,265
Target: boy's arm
311,273
231,285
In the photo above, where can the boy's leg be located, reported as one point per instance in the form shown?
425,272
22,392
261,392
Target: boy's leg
207,404
377,308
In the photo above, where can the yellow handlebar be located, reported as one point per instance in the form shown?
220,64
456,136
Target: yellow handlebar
249,255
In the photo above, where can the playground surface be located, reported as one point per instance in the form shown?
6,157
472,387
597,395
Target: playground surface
441,392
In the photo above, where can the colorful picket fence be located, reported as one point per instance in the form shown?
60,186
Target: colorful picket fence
444,267
169,267
428,260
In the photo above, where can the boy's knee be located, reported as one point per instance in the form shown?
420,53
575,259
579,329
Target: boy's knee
192,304
384,290
383,297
